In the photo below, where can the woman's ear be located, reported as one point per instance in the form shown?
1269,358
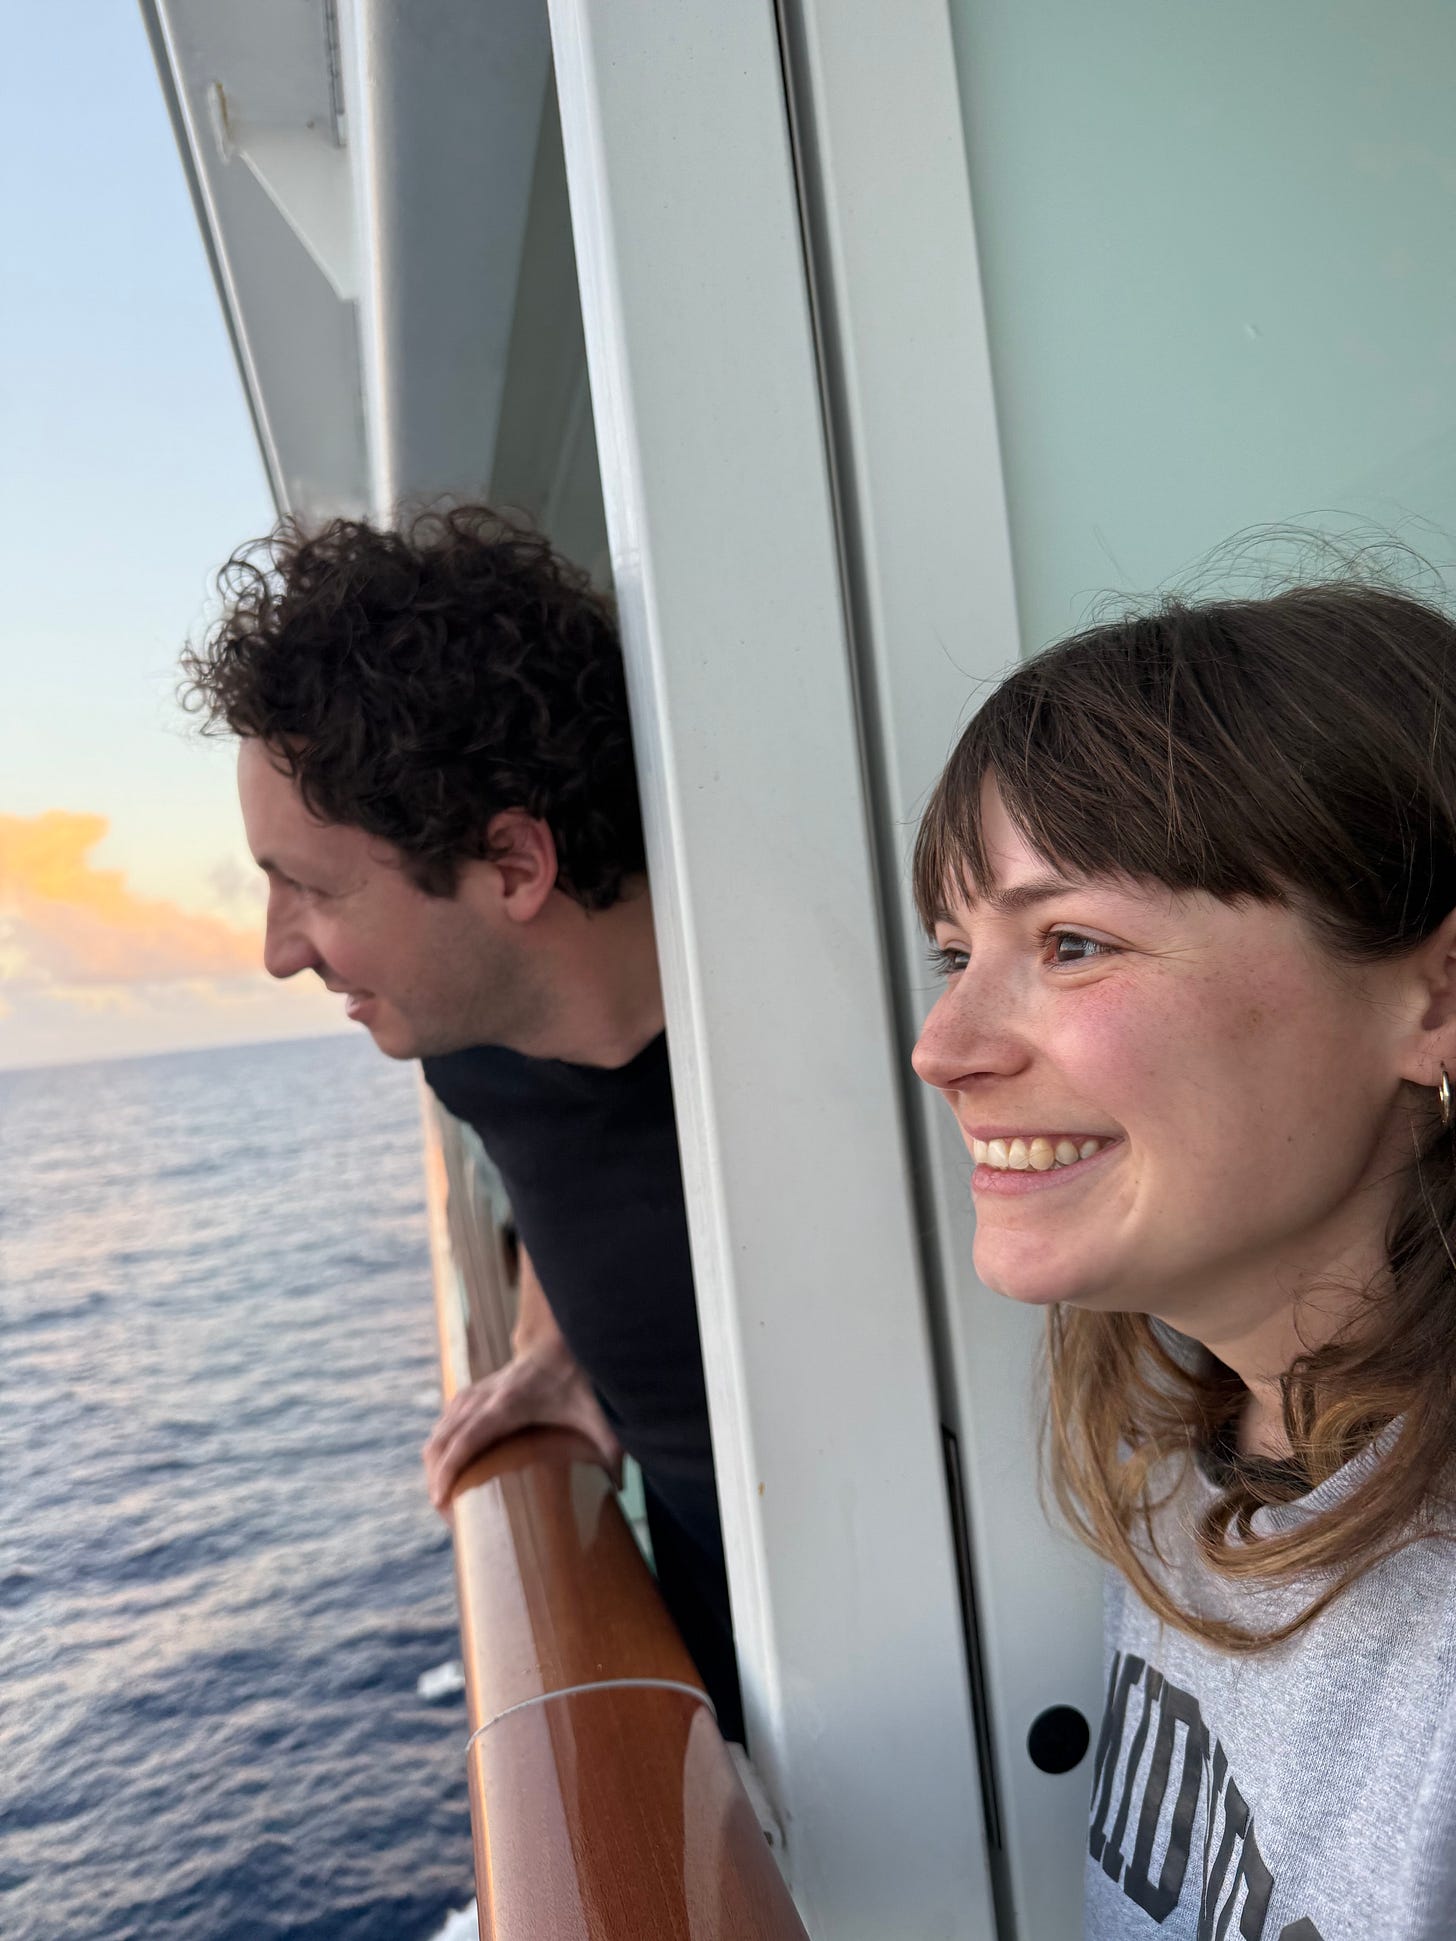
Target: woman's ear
1432,1045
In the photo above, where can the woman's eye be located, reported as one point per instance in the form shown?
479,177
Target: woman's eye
947,961
1071,947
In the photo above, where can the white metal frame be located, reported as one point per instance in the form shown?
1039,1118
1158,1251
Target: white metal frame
251,96
922,505
438,291
724,550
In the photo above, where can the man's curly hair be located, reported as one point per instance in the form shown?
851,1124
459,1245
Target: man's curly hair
416,683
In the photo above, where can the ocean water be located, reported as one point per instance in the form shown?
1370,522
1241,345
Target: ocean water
219,1575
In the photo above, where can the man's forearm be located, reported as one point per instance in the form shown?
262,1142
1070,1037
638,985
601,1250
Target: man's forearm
535,1332
541,1386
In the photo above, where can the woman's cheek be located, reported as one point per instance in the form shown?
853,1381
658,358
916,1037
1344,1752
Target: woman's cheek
1114,1040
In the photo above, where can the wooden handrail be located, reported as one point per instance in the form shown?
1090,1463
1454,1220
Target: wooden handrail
604,1803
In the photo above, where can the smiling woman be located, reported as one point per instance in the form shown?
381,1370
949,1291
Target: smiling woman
1190,879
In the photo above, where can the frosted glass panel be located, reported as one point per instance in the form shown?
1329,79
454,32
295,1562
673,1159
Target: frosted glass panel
1218,245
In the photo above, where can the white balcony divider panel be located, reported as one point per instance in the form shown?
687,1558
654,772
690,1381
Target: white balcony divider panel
785,1067
922,507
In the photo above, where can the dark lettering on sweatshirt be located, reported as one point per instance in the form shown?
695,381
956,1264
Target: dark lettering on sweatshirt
1156,1754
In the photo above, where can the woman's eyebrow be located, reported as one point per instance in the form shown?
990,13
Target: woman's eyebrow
1016,896
1020,896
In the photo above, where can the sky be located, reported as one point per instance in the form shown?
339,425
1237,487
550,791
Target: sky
130,910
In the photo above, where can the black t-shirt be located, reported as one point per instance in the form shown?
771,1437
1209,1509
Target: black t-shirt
589,1159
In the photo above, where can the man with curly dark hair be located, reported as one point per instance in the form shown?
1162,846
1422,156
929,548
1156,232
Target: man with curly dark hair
436,775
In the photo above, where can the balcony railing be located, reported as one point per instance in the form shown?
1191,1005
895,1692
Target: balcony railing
604,1803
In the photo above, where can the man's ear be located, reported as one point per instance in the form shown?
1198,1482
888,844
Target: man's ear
522,849
1433,1044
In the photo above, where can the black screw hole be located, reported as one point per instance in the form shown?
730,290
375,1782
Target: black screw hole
1058,1739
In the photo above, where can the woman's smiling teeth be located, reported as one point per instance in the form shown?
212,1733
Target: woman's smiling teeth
1038,1155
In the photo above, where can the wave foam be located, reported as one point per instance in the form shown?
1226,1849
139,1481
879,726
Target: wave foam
461,1926
443,1681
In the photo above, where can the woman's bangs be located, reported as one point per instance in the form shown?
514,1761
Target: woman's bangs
949,853
1109,767
1062,826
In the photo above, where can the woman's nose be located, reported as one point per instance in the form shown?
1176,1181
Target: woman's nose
934,1058
964,1037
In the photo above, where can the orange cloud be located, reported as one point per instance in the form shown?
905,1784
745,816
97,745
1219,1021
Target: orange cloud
64,921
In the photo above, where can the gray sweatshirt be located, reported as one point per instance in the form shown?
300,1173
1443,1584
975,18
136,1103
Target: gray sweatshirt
1306,1793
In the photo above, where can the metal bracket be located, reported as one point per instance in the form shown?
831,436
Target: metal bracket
758,1799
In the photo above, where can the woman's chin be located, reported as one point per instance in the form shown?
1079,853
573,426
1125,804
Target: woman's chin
1030,1282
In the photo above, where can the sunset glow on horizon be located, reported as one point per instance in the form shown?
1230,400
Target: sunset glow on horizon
71,924
89,967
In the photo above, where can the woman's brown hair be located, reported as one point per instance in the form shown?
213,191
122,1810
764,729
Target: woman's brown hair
1298,749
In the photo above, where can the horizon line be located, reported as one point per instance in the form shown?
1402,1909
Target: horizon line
181,1051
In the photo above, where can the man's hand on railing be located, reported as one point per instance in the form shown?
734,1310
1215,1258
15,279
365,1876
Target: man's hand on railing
540,1387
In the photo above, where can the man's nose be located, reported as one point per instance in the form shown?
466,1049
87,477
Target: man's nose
286,949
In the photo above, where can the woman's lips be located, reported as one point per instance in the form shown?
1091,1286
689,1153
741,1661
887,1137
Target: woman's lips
357,1005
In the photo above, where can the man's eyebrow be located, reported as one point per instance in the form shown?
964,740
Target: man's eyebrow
271,868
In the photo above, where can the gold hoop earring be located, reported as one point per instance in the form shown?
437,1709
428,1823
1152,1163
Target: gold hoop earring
1443,1095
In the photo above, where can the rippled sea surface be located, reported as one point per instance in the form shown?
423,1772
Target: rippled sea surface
219,1575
